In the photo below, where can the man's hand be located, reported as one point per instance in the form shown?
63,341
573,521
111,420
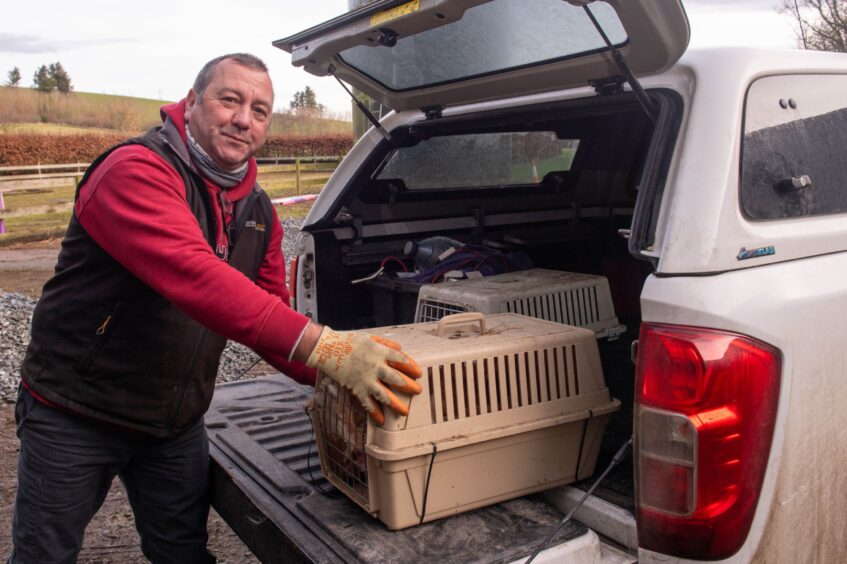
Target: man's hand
365,364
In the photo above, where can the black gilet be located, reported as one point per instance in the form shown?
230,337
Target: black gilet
106,346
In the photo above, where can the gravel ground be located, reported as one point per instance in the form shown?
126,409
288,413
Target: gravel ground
16,314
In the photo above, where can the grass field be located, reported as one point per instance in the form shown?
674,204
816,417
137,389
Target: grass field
35,227
24,110
33,214
53,224
80,109
37,214
289,124
49,129
38,197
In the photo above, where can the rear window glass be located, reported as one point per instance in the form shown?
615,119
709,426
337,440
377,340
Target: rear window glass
490,38
480,160
793,154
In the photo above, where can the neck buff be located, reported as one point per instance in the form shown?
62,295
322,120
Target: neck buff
209,168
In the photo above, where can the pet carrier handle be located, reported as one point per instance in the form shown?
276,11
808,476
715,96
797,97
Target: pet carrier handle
459,319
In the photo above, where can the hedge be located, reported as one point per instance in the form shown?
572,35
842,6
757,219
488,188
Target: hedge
20,149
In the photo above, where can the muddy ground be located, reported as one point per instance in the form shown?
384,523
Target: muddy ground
111,536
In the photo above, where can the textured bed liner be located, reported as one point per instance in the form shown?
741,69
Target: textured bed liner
267,485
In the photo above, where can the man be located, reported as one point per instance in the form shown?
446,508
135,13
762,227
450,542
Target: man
171,250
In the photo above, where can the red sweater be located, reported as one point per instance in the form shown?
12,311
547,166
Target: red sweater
134,206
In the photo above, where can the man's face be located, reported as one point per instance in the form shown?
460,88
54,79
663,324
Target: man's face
231,117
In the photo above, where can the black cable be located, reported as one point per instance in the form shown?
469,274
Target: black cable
426,487
246,370
615,461
362,108
620,62
311,436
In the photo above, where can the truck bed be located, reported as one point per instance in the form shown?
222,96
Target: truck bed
267,485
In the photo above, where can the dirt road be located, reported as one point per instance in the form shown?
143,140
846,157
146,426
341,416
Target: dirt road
25,267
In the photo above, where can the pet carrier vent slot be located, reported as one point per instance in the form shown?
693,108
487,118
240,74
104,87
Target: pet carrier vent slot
489,385
493,372
575,371
575,307
431,386
469,390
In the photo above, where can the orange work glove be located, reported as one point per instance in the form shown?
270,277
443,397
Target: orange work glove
365,365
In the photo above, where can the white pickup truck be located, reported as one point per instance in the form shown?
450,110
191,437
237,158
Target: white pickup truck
708,187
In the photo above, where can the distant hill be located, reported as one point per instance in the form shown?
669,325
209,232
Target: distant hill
290,124
25,110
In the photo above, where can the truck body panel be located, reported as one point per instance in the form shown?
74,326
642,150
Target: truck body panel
801,308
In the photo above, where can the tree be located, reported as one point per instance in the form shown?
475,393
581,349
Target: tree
60,77
14,77
821,24
306,102
42,81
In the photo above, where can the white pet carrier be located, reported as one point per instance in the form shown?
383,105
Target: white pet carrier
510,405
570,298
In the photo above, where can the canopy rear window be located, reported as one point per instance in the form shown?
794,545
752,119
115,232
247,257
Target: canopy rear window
480,160
491,38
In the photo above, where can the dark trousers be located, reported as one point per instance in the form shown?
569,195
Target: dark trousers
66,467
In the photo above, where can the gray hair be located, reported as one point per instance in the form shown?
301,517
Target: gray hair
245,59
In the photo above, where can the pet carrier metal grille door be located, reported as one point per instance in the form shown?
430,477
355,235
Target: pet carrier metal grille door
341,442
512,405
570,298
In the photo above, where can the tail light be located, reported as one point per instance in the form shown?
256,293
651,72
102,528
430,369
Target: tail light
704,417
292,281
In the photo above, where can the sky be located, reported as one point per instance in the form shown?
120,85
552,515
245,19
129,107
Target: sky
154,48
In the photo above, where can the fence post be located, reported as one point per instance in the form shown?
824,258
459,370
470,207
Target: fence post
2,207
297,175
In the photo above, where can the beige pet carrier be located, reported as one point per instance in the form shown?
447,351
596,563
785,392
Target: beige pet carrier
571,298
510,405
